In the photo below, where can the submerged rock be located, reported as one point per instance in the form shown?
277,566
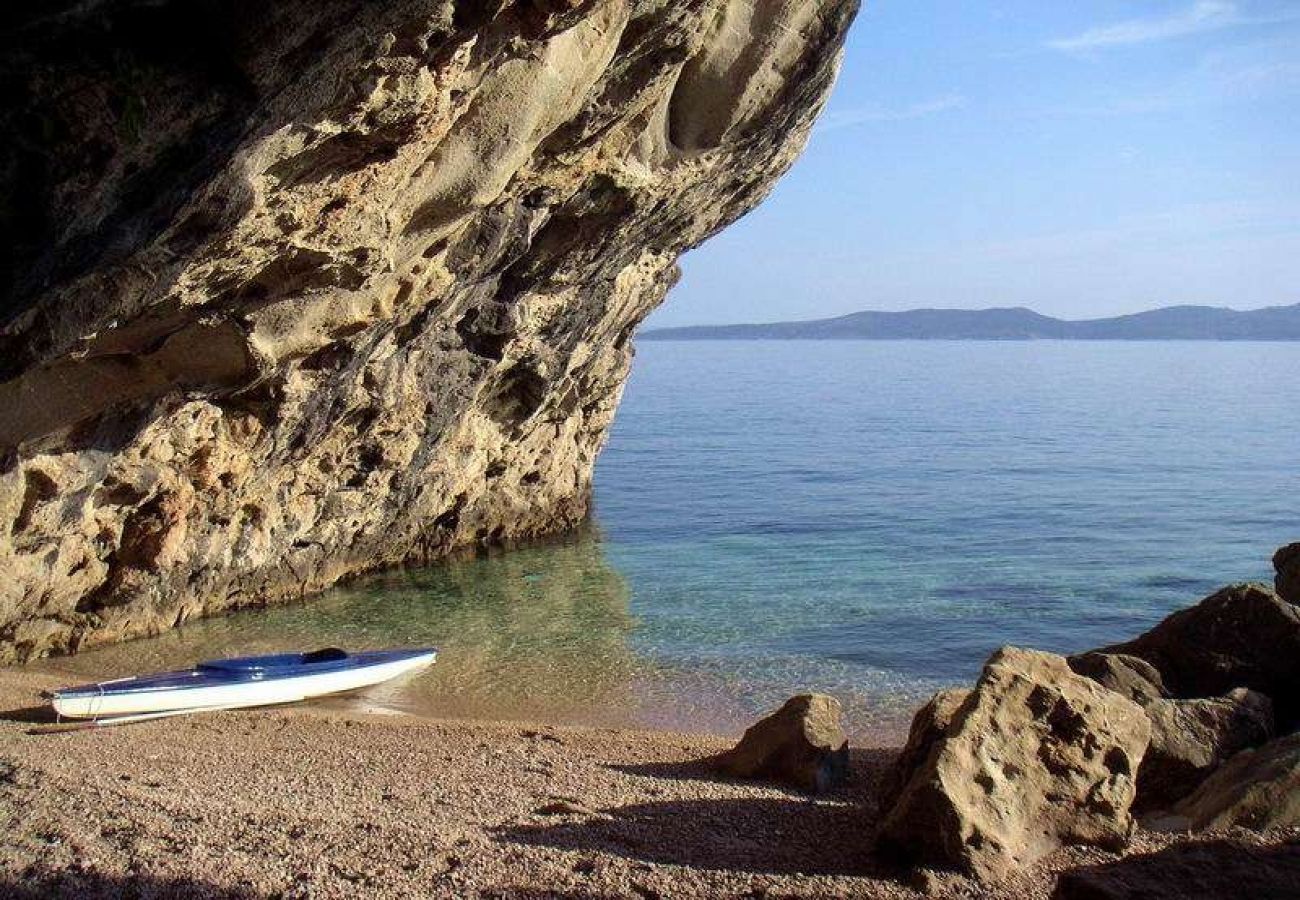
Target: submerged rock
1191,738
339,285
1256,789
1241,636
1035,758
800,744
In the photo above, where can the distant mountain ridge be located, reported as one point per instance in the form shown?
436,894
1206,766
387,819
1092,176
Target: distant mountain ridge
1182,323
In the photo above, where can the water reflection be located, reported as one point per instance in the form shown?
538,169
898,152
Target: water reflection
539,632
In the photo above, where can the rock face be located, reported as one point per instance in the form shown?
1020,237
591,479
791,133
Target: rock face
800,744
1135,678
1036,757
1242,636
1286,562
309,288
1191,738
930,723
1255,789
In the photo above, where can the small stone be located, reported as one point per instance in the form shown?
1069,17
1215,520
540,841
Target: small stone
926,881
564,806
800,744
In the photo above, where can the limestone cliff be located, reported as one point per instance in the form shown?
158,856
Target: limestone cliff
299,289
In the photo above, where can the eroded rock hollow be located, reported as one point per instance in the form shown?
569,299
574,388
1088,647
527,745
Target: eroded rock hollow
301,289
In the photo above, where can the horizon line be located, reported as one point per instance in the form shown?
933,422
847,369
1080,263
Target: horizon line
961,309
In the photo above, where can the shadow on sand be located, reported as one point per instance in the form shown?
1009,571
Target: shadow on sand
690,770
88,886
28,715
1205,870
791,834
94,886
865,769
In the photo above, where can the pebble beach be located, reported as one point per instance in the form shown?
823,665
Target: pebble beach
310,801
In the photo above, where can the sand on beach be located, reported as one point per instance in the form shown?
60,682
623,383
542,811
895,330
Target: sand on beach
310,801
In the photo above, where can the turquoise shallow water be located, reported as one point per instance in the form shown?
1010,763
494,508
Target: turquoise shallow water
870,519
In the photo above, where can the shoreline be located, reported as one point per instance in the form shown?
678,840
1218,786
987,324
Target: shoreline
309,801
647,700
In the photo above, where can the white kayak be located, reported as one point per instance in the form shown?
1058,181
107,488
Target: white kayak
240,682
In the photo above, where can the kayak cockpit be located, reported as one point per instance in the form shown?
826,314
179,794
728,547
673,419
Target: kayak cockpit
247,664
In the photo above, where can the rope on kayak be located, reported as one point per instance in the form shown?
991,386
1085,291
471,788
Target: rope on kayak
98,702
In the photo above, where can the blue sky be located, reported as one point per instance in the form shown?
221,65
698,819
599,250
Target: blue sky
1081,159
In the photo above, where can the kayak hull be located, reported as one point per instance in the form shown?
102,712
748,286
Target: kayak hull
219,686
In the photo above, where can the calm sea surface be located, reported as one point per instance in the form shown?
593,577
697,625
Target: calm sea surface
869,519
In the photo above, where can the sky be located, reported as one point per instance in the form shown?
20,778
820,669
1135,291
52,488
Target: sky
1081,159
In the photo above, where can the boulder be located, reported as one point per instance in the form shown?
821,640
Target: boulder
1191,738
1209,870
1242,636
1035,758
1135,678
1257,789
801,744
930,723
1286,563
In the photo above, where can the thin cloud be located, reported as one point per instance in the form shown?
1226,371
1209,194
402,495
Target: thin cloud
1200,17
849,118
1241,74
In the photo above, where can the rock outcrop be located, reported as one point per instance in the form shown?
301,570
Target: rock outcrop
1036,757
1192,738
801,744
1286,563
1256,789
298,290
1047,751
1244,635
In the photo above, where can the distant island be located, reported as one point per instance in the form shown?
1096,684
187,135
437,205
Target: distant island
1171,323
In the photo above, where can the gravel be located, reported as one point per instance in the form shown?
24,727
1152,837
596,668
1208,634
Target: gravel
310,802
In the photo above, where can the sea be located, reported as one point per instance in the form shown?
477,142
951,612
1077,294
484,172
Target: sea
865,519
